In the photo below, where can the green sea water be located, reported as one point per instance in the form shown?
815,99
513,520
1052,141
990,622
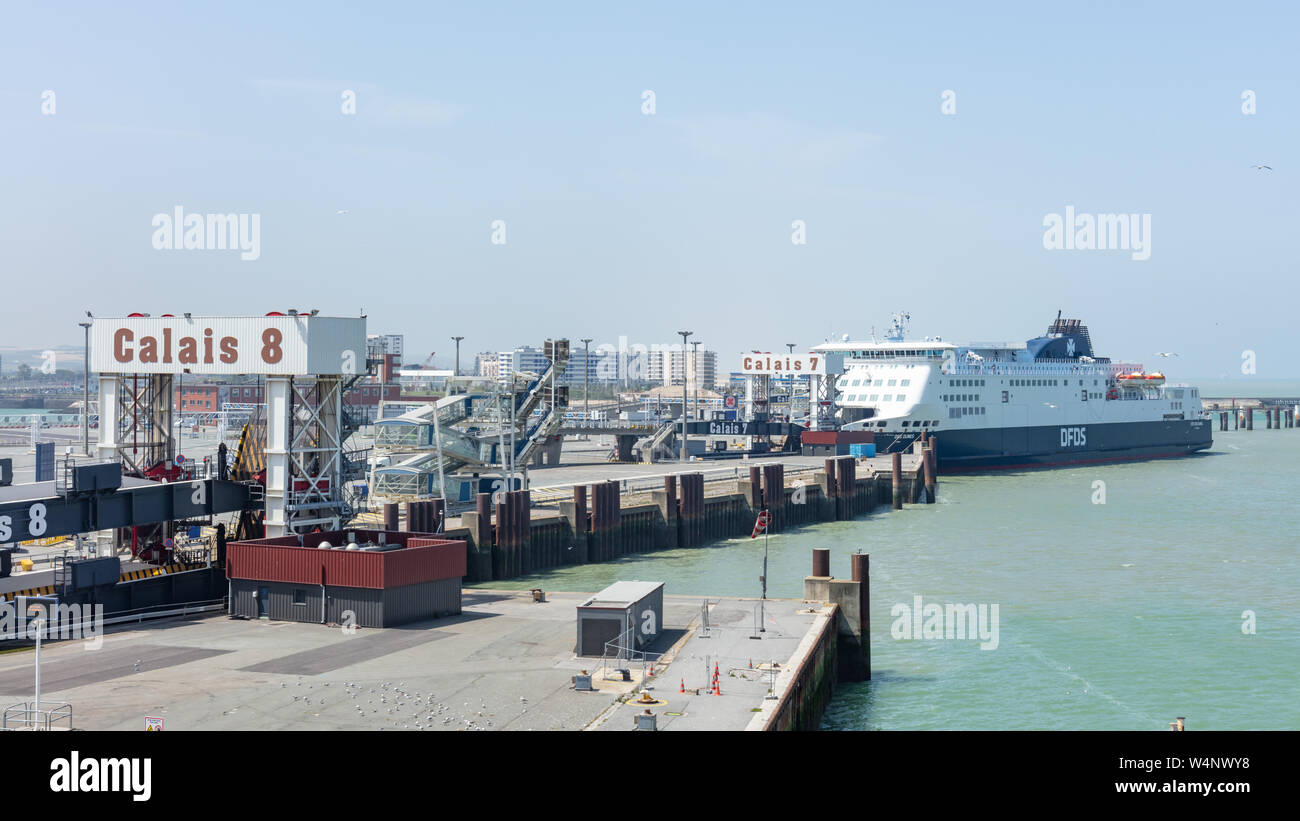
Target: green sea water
1115,615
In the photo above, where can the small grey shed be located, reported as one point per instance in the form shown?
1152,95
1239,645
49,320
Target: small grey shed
621,619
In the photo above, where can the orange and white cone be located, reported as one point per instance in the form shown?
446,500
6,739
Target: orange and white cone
683,686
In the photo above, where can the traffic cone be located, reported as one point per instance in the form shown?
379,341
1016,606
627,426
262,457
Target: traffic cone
751,664
683,687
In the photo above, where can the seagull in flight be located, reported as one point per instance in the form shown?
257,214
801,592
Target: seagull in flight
1262,167
1166,354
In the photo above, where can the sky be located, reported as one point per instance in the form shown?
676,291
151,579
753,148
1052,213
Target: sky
619,222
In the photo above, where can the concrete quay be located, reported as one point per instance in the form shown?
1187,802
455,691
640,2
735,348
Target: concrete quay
506,663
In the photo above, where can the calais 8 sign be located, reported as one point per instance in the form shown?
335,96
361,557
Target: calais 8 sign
271,345
798,364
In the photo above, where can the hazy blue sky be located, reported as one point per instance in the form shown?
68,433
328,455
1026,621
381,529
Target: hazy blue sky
624,224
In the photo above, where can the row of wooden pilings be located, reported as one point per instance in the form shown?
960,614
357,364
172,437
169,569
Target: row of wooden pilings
506,542
421,517
1275,418
929,470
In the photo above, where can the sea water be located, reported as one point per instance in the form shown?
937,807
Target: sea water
1127,594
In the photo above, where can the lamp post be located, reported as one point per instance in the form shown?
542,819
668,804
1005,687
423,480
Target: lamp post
457,340
586,373
695,369
684,335
85,392
38,626
790,379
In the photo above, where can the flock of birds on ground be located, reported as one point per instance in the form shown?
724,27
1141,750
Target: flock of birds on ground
417,711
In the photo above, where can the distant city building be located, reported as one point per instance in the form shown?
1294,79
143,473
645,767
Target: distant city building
523,358
699,368
487,364
199,398
210,397
377,344
600,368
387,348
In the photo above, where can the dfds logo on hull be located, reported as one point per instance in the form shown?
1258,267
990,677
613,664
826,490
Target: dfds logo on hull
1074,437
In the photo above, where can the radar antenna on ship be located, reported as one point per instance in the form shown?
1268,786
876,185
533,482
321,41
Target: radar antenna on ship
898,327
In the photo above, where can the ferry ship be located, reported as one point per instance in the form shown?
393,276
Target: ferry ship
1045,402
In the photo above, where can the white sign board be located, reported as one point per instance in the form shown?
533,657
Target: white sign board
153,724
271,345
769,364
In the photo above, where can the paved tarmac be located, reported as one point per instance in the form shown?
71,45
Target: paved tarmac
505,663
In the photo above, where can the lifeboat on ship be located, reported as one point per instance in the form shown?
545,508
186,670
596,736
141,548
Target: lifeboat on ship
1136,379
1154,378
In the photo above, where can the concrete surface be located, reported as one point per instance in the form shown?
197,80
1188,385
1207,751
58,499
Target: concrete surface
505,663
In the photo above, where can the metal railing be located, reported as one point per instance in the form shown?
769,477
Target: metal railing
52,715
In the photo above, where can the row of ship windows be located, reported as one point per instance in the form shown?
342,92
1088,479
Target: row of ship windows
957,413
960,397
1043,383
867,383
862,397
965,383
893,354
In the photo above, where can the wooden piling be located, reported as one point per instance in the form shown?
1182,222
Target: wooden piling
832,490
861,563
483,535
391,516
927,466
821,562
896,470
439,515
846,473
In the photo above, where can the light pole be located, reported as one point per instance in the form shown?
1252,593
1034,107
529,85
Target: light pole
790,379
684,335
695,369
457,340
39,624
85,392
586,372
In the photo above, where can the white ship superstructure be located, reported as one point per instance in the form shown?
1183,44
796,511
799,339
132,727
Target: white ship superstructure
1049,400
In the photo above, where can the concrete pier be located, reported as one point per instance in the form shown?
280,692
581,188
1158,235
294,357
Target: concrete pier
506,663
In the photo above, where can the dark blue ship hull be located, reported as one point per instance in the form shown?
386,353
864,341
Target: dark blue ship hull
1058,445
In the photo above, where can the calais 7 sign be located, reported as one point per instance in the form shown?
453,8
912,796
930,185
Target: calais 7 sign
785,364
